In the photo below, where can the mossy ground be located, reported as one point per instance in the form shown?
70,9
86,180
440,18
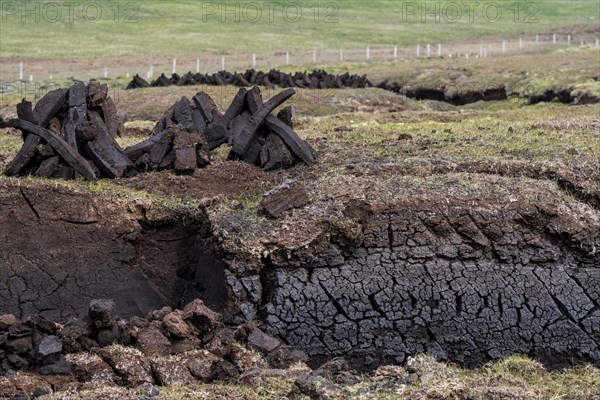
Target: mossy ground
515,377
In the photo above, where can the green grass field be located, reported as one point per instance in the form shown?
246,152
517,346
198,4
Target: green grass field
53,30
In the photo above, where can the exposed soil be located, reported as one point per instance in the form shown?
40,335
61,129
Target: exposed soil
384,255
373,279
222,177
460,97
167,347
63,248
465,283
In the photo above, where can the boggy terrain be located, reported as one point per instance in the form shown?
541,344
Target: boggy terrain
469,235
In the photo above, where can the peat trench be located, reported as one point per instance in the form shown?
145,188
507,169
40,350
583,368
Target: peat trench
455,94
462,282
464,96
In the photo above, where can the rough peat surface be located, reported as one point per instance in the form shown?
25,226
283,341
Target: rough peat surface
465,284
62,248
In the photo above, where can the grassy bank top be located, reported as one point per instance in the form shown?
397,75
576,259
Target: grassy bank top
49,29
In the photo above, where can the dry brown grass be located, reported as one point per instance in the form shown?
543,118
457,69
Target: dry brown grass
422,378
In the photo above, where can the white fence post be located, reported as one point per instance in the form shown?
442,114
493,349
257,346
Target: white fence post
20,71
484,51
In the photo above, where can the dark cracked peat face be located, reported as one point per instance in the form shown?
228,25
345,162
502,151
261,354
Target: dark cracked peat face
460,284
466,284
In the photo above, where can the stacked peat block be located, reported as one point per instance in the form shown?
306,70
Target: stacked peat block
317,79
70,133
178,139
184,136
258,137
